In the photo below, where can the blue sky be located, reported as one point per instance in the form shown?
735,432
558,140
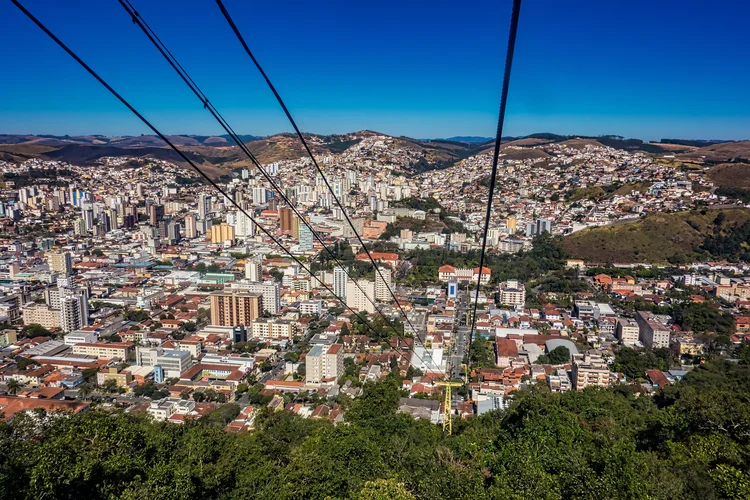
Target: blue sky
646,69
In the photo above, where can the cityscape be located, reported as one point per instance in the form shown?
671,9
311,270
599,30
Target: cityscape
371,315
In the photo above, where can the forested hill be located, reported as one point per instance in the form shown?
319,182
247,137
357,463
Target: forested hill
690,441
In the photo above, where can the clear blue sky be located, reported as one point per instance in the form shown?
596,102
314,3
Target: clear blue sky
647,69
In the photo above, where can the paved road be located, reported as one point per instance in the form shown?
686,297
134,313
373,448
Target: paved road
461,333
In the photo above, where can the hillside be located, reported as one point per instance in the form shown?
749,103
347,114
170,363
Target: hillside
731,175
658,238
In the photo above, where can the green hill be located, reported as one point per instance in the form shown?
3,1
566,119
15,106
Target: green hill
657,238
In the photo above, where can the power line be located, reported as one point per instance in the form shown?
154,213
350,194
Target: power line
309,151
495,157
182,155
172,60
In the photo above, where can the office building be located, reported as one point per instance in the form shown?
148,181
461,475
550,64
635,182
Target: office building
118,350
235,307
171,362
305,238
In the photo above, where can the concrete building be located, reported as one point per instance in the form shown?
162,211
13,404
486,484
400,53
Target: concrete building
122,379
41,314
101,350
80,337
271,292
253,270
73,312
590,370
60,263
383,284
627,331
324,364
653,329
512,293
172,362
286,216
233,308
221,233
340,277
191,227
305,238
273,329
361,295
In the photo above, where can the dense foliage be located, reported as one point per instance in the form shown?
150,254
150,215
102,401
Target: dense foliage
691,441
546,255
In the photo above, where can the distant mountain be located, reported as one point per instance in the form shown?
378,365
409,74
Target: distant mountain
470,139
219,153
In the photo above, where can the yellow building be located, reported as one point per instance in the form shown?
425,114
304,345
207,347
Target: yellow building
123,379
510,223
222,233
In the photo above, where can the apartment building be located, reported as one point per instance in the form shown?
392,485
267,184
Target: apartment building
383,284
590,370
324,364
122,379
273,329
360,295
270,291
512,293
653,329
627,331
233,308
41,314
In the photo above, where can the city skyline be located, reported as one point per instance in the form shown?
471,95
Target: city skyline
435,74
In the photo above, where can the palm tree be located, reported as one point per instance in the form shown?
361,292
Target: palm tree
14,386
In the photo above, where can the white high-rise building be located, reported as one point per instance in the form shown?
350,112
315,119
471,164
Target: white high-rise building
259,195
253,270
383,285
340,276
361,297
244,227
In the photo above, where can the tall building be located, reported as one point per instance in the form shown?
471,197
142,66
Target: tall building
155,214
286,216
324,364
305,238
361,297
271,292
191,229
72,312
383,284
61,263
204,206
259,195
253,270
222,233
340,277
245,227
233,308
